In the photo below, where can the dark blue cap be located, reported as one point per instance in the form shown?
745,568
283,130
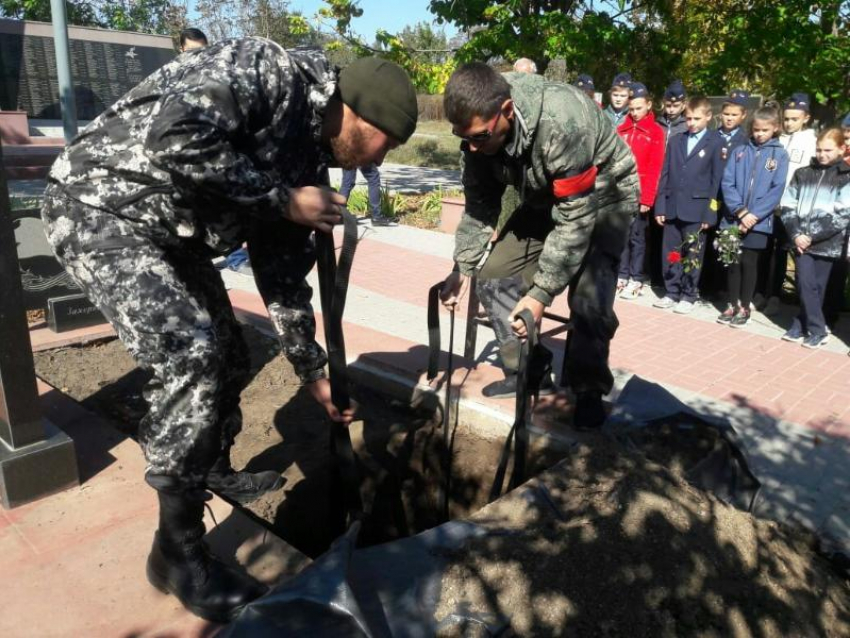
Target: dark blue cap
638,90
799,101
739,97
675,92
621,81
584,82
845,123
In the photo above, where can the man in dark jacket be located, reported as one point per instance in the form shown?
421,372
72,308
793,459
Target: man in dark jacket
578,192
224,145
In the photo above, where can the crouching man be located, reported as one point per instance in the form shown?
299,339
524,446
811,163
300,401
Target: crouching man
578,193
224,145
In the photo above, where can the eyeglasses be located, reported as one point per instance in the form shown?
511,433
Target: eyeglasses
483,136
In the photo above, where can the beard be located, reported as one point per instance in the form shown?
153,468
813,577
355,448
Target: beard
347,149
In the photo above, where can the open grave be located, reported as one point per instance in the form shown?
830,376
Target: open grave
608,539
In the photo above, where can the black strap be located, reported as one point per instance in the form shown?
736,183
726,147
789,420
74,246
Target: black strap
333,287
529,376
449,408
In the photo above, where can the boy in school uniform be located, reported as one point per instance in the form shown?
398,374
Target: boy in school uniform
799,142
686,203
672,117
618,99
584,82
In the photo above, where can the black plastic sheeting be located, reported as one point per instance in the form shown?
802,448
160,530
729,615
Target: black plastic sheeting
724,470
393,590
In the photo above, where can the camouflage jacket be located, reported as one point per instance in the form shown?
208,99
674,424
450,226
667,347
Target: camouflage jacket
560,141
201,155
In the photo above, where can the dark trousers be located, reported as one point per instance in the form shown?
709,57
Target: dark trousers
373,181
681,285
742,278
654,250
812,273
836,289
773,262
592,289
634,253
712,279
172,312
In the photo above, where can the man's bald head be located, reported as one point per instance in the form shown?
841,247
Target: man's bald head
525,65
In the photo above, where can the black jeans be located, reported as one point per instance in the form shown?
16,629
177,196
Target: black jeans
742,278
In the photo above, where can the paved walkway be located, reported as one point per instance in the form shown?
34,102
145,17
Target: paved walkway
790,405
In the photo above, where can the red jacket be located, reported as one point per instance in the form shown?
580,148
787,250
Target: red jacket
646,139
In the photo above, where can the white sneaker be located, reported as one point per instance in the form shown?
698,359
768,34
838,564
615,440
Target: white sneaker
684,307
771,307
621,283
665,303
632,291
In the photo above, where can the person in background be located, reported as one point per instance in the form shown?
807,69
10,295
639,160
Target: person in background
815,211
192,38
525,65
733,115
373,182
584,83
672,118
618,99
800,142
686,203
753,182
646,140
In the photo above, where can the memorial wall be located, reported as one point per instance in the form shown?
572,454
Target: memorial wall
104,65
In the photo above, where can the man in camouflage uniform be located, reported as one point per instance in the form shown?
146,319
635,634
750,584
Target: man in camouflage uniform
578,192
224,145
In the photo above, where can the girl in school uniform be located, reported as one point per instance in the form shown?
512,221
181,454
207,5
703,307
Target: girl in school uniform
753,182
816,210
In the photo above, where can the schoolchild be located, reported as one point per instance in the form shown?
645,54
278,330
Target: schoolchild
646,140
686,204
815,210
585,83
753,183
618,99
672,117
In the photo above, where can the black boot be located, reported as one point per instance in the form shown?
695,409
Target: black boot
242,487
589,413
181,564
506,388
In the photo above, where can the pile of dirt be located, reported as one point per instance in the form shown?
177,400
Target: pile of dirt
605,543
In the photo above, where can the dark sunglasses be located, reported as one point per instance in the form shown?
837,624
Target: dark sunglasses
483,136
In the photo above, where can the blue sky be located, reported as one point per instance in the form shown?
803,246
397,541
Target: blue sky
392,15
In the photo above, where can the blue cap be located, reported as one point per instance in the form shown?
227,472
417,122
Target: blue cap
638,90
799,101
739,97
675,92
845,123
621,81
584,82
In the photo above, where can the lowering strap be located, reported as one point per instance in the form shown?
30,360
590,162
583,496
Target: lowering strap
433,364
346,504
533,364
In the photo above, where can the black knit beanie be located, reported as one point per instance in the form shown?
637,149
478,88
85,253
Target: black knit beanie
380,92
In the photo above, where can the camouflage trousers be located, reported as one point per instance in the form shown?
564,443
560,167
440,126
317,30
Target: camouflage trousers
591,292
170,309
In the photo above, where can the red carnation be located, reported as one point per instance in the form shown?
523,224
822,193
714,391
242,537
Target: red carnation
674,257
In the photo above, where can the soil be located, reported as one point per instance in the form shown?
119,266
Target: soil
613,544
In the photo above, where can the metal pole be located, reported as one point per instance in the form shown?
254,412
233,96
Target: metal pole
63,69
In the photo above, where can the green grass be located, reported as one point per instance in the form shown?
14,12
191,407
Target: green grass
440,149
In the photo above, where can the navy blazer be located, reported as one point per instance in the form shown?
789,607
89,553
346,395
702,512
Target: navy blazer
689,183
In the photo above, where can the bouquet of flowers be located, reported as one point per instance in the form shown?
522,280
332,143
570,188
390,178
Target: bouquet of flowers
727,243
692,261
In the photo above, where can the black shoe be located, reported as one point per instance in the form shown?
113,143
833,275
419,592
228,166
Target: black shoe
590,412
741,319
506,388
243,487
181,564
383,221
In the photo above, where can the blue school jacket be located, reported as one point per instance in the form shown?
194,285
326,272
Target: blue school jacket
754,178
690,182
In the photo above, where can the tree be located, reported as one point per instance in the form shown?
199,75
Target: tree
79,13
146,16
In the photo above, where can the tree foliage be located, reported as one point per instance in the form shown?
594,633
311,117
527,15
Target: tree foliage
145,16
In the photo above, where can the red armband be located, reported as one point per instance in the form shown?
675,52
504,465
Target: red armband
569,186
